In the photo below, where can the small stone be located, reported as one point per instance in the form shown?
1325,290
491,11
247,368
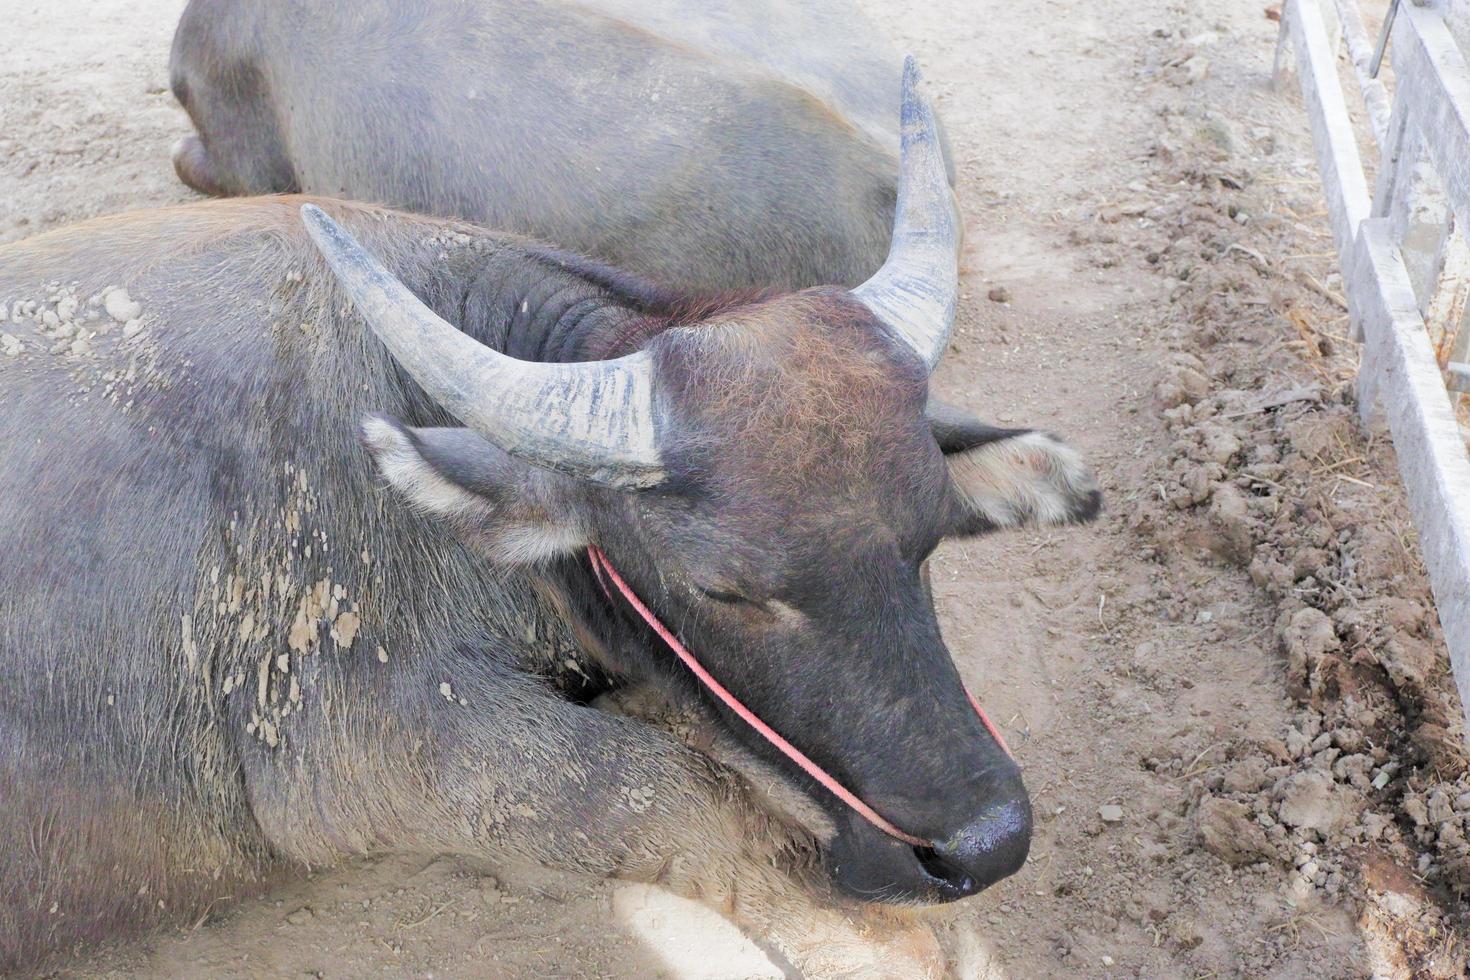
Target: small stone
447,691
300,917
1196,69
120,306
1107,961
999,294
132,328
1110,813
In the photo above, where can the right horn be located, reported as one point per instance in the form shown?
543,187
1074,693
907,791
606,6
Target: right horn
914,292
596,420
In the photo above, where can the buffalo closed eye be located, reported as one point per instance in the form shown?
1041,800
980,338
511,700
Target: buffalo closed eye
728,598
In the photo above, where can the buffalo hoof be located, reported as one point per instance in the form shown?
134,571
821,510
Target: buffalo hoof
876,945
195,168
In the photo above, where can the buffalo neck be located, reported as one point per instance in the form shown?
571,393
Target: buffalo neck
542,304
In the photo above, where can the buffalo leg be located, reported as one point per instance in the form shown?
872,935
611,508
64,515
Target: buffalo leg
490,763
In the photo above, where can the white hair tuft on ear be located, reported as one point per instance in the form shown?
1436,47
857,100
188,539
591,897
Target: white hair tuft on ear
404,468
1030,478
501,518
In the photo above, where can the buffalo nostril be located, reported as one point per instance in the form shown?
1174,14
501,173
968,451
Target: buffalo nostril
937,867
992,846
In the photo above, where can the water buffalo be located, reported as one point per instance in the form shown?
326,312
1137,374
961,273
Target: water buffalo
226,651
657,135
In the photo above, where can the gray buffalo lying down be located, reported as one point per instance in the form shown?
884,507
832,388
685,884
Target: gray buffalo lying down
267,604
656,135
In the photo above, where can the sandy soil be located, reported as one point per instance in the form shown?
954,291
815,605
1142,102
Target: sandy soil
1240,656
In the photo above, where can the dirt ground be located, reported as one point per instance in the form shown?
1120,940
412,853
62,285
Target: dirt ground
1240,657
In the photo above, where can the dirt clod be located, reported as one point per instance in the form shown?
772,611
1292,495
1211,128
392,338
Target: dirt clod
1228,831
1313,801
1306,636
121,307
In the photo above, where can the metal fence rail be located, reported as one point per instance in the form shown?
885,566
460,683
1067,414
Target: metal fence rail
1404,256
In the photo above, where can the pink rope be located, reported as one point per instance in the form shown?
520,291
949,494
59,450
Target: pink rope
994,732
604,570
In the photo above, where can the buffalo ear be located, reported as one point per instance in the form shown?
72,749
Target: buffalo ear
1005,478
515,512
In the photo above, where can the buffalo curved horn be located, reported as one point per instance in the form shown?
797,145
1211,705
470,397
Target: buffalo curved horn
914,292
595,420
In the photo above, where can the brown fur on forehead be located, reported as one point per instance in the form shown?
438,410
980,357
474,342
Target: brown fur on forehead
808,381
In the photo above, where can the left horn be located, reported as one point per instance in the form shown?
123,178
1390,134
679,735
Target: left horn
595,419
914,292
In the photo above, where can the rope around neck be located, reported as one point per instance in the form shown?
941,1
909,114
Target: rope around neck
606,573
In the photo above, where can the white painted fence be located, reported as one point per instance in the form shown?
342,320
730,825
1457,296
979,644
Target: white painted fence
1404,255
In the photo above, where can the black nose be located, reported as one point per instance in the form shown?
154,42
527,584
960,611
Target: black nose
990,847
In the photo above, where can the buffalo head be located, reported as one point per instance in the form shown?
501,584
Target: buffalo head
771,480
